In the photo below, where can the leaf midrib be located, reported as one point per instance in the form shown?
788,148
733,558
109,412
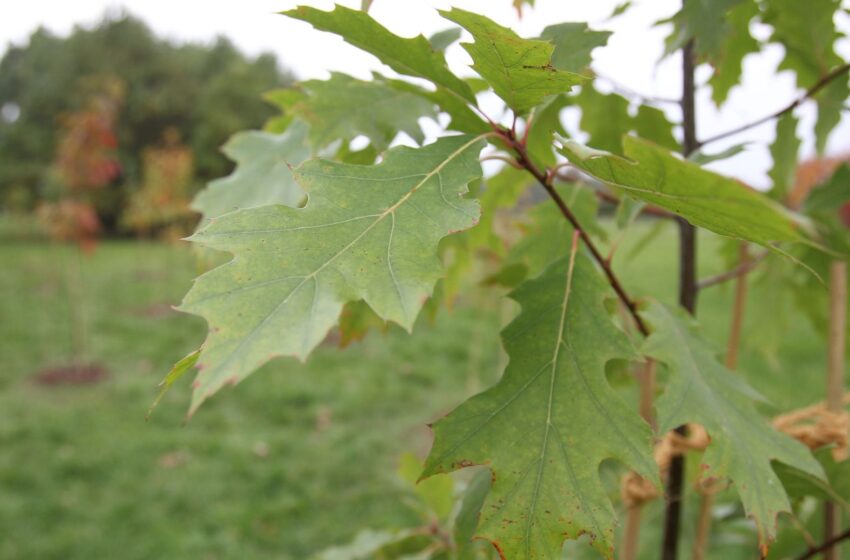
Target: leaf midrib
222,365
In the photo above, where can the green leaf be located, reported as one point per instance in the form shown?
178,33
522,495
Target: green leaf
799,484
367,232
651,123
769,308
743,444
620,9
545,123
701,158
467,518
705,199
547,234
370,544
627,211
181,367
499,192
262,174
606,119
784,150
736,44
342,108
356,319
436,493
519,70
702,21
411,57
830,102
574,42
547,425
463,119
282,99
441,40
828,205
807,32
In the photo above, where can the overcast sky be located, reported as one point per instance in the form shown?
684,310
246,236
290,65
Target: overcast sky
630,58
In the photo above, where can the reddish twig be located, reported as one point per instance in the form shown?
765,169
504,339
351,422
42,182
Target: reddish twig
809,93
545,178
742,269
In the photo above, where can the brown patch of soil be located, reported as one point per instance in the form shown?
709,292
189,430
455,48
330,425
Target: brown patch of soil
77,374
156,310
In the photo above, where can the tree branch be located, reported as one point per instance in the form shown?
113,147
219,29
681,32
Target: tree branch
741,270
811,92
636,95
826,545
546,179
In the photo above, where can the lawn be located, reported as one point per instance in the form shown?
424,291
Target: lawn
296,458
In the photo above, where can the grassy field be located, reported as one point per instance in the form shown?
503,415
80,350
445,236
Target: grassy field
298,457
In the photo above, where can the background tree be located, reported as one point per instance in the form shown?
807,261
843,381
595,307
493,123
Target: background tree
203,92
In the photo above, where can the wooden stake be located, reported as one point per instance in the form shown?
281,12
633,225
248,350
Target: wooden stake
835,378
631,531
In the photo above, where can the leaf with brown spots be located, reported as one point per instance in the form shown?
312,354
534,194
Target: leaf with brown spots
547,425
519,70
367,232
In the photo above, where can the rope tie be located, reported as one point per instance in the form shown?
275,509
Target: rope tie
636,490
815,427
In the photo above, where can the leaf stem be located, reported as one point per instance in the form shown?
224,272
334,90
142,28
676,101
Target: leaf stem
546,178
808,94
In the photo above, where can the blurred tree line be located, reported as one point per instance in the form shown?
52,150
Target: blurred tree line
173,106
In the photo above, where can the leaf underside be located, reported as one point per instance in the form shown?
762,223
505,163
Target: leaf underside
367,232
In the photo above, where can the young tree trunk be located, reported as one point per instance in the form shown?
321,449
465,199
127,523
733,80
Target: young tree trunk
687,299
835,379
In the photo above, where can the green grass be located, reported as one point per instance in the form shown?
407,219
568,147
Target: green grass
298,457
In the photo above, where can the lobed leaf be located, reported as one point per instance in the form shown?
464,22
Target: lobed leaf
606,119
547,425
828,205
367,232
807,32
519,70
743,444
411,57
736,43
574,42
